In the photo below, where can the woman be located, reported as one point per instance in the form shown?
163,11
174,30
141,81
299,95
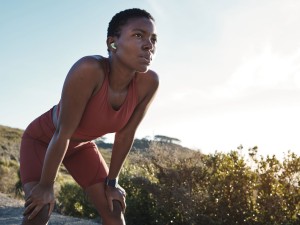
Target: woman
100,95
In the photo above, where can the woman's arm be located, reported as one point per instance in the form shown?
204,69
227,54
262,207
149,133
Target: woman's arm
80,84
124,138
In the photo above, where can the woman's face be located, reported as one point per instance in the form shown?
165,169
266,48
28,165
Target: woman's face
135,47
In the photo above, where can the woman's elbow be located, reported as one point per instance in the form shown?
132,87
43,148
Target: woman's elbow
62,135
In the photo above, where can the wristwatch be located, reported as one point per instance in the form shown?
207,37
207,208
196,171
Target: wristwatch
111,182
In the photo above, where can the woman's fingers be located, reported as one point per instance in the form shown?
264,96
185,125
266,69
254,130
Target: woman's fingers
123,203
28,202
117,194
35,211
110,204
28,209
51,208
39,197
123,197
122,191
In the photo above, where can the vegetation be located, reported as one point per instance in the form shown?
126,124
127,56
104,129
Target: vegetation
168,184
166,139
8,175
10,139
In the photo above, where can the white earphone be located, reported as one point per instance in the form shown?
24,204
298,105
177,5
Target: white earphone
113,45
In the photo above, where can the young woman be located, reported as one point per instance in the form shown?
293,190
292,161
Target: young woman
100,95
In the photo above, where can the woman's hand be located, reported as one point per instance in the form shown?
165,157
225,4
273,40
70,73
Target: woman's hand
115,193
38,198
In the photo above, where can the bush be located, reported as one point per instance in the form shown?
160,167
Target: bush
141,206
168,186
73,202
191,188
158,189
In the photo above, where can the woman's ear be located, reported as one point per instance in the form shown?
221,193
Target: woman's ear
110,42
113,45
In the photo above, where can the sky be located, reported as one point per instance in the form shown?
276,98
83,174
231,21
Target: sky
229,70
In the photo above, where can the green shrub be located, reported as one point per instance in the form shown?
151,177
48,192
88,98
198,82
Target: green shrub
230,189
221,188
141,207
278,192
73,202
162,188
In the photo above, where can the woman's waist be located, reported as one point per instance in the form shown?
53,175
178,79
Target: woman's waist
77,137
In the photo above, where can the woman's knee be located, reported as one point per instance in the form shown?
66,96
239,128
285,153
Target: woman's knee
116,217
96,195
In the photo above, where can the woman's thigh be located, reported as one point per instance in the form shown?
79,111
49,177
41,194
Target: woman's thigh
86,165
32,154
89,169
34,145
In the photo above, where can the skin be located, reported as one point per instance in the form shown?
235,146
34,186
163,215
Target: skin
135,48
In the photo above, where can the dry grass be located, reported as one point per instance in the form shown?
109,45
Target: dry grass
8,175
10,139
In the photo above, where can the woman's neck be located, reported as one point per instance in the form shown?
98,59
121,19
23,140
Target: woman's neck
119,76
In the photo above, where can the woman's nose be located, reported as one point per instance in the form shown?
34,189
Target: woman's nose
149,45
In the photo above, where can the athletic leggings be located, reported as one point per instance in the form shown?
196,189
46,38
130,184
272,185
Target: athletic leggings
83,160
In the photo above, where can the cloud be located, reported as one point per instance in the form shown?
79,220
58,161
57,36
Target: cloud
258,48
267,70
264,71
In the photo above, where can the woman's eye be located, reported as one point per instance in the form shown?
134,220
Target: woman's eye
138,35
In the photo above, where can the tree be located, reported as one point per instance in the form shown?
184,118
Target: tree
166,139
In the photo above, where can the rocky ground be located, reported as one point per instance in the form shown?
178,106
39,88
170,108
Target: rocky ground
11,214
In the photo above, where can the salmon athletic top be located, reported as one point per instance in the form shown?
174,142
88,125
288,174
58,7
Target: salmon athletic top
99,117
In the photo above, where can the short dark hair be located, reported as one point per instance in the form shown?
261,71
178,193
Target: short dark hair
121,18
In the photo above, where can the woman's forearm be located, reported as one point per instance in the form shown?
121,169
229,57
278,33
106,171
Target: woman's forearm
53,158
121,147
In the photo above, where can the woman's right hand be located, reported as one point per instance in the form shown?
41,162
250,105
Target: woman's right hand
39,197
115,193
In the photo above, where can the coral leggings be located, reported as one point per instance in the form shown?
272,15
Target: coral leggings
82,160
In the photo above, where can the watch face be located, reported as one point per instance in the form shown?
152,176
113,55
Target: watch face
111,182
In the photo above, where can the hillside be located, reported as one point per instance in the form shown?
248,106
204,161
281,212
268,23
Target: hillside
10,139
11,205
166,182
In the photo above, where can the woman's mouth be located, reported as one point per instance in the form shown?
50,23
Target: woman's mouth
147,59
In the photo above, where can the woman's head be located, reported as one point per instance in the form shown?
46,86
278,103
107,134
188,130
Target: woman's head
121,18
131,39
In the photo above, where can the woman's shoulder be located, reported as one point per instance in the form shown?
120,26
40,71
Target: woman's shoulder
149,76
87,72
90,66
91,61
147,83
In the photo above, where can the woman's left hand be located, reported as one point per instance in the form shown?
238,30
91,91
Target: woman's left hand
115,193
